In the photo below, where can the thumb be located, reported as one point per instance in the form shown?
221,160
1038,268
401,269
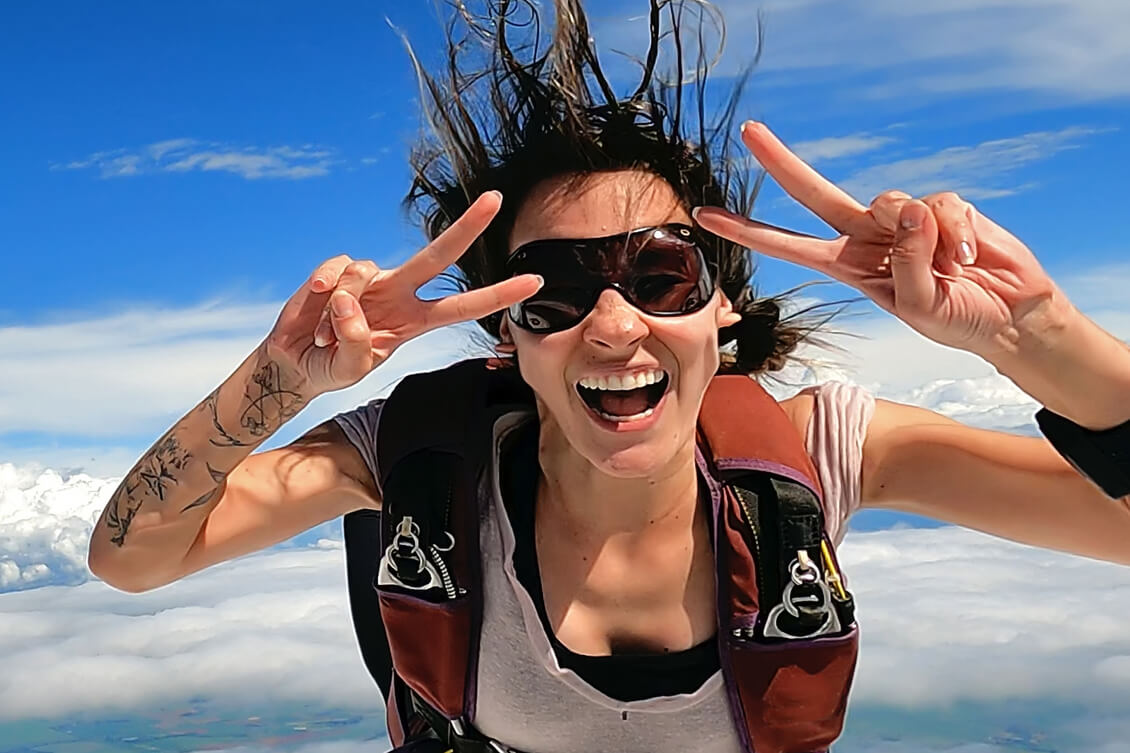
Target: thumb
912,259
353,358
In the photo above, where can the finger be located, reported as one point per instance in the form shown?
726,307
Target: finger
955,230
353,358
302,304
912,259
826,200
324,278
475,304
354,278
886,207
779,243
451,243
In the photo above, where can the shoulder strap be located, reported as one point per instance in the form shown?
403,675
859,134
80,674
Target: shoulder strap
432,444
788,638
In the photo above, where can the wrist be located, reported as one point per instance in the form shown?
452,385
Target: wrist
291,377
1067,363
262,395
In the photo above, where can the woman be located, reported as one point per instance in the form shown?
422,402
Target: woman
611,540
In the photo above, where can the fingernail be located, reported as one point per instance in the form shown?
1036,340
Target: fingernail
318,284
965,253
321,340
746,125
541,281
342,304
496,193
694,213
912,216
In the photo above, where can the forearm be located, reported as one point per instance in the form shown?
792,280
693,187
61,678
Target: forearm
1069,364
156,513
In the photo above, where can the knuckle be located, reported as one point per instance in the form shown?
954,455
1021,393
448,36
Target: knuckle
945,201
889,197
360,269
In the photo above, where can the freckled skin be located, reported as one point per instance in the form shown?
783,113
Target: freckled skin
621,536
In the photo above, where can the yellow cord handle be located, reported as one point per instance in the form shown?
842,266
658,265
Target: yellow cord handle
834,578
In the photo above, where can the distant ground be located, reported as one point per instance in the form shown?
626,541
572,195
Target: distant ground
996,728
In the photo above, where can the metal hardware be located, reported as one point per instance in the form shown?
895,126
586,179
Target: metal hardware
803,571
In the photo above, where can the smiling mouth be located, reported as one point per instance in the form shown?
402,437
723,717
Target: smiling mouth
618,402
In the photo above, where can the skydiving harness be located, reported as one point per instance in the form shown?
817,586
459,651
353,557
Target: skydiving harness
788,640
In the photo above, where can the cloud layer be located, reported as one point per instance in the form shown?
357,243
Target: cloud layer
948,616
936,48
188,155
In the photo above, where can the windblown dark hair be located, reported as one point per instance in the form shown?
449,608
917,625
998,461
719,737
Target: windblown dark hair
525,114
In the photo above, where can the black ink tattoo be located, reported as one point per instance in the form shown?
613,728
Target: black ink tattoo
273,404
218,478
156,469
227,439
203,499
269,406
152,475
118,517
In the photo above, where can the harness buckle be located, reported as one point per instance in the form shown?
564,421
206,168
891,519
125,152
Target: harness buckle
806,598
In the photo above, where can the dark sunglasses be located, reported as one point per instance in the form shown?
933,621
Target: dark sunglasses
660,270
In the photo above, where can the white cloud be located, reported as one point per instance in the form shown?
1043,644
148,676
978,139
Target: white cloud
134,373
947,616
977,172
1064,48
45,524
1036,51
838,147
185,155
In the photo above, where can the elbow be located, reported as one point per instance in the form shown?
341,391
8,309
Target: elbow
117,575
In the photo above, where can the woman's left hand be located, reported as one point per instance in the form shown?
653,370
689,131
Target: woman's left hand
936,263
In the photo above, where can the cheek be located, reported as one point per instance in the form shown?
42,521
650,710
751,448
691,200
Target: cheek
541,361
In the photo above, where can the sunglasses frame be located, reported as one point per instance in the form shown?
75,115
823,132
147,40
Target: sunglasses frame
708,272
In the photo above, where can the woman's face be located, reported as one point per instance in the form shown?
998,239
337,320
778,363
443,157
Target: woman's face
613,429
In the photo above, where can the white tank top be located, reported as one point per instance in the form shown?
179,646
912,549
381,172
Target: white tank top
527,701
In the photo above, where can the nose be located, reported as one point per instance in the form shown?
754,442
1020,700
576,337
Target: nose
614,323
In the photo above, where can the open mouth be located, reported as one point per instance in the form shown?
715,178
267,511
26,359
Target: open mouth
622,399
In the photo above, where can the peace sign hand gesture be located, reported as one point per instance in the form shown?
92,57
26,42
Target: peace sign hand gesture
939,265
349,316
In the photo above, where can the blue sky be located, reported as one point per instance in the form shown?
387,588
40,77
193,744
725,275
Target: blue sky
173,170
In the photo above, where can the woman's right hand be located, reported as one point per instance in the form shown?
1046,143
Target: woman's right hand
349,316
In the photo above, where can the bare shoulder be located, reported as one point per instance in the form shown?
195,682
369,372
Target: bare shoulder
799,408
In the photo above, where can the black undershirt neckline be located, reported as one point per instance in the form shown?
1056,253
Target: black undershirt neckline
623,676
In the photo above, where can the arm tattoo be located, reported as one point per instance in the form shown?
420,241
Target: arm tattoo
269,406
152,475
118,517
217,478
227,440
273,404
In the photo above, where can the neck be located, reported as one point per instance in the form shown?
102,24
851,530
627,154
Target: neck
598,506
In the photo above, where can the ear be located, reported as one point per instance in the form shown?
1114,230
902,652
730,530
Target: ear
726,315
506,341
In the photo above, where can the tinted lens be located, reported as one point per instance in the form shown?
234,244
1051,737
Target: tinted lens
659,270
669,274
553,308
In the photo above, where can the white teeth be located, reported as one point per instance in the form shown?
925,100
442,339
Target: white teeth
622,382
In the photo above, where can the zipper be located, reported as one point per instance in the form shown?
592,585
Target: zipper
429,555
441,569
765,584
